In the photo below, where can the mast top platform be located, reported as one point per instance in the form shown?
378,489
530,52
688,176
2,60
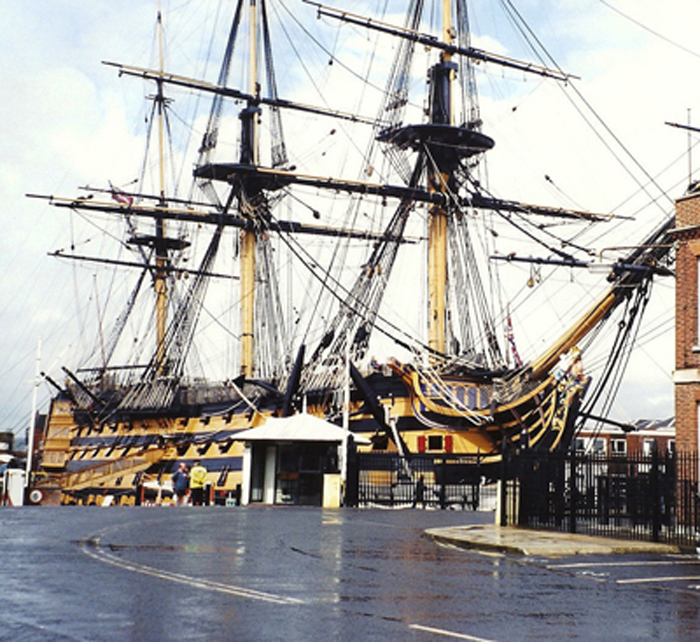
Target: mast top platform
461,141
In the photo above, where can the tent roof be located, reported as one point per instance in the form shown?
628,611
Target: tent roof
301,427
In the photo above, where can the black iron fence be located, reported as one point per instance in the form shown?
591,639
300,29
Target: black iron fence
647,497
421,481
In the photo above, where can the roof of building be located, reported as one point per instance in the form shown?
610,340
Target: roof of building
300,427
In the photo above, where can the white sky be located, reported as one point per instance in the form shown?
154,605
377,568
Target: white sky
67,121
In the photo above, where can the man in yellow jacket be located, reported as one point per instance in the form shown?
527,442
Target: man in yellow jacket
198,477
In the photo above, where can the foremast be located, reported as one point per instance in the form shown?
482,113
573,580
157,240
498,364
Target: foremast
441,113
443,154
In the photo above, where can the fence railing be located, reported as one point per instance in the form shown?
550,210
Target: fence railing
421,481
646,497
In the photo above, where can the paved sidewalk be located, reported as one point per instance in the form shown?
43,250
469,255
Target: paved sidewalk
543,543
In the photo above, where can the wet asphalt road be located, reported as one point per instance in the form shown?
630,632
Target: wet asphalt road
260,574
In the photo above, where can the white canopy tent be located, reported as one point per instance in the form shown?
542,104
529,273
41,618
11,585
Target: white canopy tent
300,427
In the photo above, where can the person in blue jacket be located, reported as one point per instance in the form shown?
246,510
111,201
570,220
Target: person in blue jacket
181,484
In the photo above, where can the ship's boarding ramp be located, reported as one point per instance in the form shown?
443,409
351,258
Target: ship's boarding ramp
93,476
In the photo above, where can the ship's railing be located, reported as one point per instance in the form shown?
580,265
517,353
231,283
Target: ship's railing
187,393
200,393
511,387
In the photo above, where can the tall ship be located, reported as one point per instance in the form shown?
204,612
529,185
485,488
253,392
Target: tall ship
326,244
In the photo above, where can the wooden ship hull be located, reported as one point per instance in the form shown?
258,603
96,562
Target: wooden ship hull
131,459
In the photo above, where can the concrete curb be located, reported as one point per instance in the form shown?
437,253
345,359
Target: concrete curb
521,541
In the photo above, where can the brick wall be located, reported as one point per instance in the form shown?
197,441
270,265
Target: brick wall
687,399
687,375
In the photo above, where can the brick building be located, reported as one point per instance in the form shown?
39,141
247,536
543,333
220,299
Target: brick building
642,437
687,373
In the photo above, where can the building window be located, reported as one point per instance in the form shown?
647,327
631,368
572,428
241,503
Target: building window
618,446
648,447
671,446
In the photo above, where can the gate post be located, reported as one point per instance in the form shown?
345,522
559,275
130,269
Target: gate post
443,486
526,488
352,479
655,495
503,495
573,490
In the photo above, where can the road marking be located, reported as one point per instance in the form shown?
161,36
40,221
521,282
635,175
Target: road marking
452,634
93,549
614,564
650,580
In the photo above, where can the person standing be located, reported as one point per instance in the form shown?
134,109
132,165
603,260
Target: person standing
198,477
419,494
181,483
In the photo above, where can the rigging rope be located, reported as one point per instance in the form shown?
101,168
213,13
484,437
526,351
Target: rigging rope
619,356
446,394
530,37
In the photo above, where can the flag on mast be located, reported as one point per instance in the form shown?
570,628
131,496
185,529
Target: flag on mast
511,341
120,196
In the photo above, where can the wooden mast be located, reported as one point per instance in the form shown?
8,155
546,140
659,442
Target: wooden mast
440,113
249,155
160,284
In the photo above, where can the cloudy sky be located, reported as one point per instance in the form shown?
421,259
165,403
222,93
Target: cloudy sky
67,120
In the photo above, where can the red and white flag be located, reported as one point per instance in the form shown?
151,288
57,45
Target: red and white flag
511,340
120,196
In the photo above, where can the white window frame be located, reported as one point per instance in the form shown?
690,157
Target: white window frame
615,449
